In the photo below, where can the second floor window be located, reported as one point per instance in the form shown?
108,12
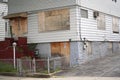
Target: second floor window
101,21
115,24
54,20
84,13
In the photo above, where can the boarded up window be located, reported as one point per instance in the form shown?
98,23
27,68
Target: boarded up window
115,24
89,48
19,26
110,45
54,20
84,13
101,21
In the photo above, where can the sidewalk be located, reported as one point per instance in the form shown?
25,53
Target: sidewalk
67,78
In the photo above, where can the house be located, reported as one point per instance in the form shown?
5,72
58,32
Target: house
3,22
81,30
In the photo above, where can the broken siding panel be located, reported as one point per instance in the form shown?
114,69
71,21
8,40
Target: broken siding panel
34,36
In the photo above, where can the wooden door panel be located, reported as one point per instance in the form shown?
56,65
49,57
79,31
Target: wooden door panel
61,49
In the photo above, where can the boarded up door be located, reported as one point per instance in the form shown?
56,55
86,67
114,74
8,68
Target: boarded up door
61,49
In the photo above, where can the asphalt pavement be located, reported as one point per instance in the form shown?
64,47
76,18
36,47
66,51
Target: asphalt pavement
63,78
108,66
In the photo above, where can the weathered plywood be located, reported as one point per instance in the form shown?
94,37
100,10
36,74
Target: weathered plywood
53,23
101,21
115,25
54,20
23,24
65,51
56,49
41,21
89,48
65,48
14,24
60,49
19,26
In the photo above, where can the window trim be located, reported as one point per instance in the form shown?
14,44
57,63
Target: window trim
85,11
43,25
101,21
114,26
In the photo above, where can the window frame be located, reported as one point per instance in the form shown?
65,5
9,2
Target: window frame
83,11
101,21
115,25
43,25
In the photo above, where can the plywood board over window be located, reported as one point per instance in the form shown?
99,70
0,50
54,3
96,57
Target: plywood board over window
19,26
54,20
115,24
101,21
89,48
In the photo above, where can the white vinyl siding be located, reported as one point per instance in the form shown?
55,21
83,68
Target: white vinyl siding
34,36
3,12
105,6
90,31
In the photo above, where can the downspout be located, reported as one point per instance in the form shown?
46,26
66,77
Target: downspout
79,6
80,29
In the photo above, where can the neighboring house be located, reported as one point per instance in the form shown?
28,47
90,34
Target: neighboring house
3,23
81,30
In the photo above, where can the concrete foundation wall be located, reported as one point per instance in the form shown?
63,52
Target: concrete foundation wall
82,52
116,48
44,50
78,55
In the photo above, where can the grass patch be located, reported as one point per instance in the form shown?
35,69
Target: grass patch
4,67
